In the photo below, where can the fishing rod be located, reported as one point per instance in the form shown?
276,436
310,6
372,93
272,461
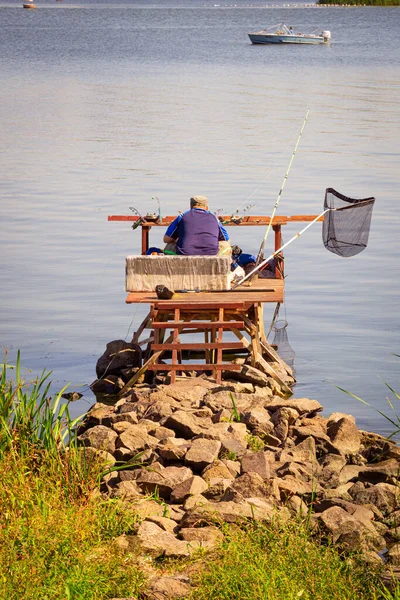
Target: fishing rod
264,262
260,252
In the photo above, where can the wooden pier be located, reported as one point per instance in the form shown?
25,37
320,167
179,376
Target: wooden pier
213,315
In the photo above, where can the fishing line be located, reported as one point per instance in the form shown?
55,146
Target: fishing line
261,250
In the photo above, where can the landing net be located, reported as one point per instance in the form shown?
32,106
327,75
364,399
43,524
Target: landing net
347,223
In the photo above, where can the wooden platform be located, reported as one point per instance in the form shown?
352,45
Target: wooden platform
260,290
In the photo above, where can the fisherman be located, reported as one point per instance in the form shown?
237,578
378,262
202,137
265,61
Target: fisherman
197,231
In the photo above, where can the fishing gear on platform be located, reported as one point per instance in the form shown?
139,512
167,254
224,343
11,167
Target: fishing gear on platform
150,217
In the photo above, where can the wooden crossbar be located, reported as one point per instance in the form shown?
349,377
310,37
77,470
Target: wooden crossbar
200,346
198,325
196,367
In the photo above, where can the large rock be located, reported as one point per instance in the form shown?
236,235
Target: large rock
218,470
229,512
164,481
186,392
350,531
344,434
118,355
167,588
193,486
256,462
174,449
258,419
248,485
135,439
302,405
202,453
382,495
228,400
322,441
99,437
207,537
158,542
185,424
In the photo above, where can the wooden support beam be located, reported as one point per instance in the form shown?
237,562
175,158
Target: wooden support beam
202,325
200,346
263,363
195,367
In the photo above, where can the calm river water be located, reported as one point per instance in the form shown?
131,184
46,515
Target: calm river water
105,105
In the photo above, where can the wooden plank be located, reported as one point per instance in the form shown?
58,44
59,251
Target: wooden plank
142,370
263,363
199,325
171,305
268,350
244,294
200,346
195,367
247,221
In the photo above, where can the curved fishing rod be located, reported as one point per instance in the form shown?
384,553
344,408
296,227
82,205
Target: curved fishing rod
264,262
260,252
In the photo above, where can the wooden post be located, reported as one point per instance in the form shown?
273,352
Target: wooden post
279,272
145,238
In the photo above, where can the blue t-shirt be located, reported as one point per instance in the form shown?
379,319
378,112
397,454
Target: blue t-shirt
197,232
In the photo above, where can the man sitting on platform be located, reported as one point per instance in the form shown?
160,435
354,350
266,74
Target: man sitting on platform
197,232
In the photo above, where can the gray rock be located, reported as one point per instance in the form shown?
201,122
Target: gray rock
158,542
218,470
99,437
185,424
248,485
163,522
167,588
190,487
118,355
384,471
301,405
174,449
233,448
383,495
258,418
207,537
135,439
164,482
229,512
344,434
349,531
256,462
202,453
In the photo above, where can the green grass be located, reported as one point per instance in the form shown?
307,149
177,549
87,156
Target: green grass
283,562
57,535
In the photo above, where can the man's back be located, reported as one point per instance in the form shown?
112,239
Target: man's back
198,233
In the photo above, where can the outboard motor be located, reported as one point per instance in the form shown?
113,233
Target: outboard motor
326,35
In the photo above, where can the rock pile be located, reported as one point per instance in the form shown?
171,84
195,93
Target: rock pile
202,453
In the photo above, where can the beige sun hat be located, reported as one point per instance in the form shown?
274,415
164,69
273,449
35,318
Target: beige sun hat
200,201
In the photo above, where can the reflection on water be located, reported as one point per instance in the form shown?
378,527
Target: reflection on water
105,107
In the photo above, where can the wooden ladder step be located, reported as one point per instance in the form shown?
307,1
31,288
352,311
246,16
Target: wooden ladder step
196,367
198,325
200,346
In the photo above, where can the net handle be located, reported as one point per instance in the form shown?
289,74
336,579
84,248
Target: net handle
264,262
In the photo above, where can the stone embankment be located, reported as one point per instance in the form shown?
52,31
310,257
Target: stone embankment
201,453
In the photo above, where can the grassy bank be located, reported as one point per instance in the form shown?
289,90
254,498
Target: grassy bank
59,537
284,562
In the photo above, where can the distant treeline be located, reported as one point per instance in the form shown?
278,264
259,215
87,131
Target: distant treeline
362,2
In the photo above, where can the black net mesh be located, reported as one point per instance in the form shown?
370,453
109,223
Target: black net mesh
346,226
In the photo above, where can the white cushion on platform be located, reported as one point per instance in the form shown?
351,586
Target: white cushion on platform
209,273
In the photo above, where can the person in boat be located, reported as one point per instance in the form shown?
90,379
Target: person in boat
197,232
